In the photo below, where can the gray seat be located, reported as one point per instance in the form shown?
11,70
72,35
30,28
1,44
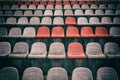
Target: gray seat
2,20
8,13
20,50
24,7
15,32
3,32
18,13
116,20
6,7
76,6
58,13
115,31
58,7
82,20
118,6
89,12
57,73
85,6
56,50
58,21
38,50
32,73
111,6
117,12
33,7
42,7
15,7
35,20
78,12
94,20
28,13
102,6
5,48
93,6
111,49
67,6
38,13
109,12
11,20
68,12
48,13
94,50
1,13
23,20
106,73
99,12
46,21
29,32
106,20
9,73
82,73
49,7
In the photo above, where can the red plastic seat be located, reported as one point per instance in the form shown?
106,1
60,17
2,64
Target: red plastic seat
58,3
72,32
51,3
43,3
101,32
57,32
66,2
70,21
81,2
74,2
35,3
43,32
87,32
75,50
27,3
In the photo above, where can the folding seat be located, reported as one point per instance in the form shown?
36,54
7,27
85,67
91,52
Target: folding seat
117,12
58,6
41,7
87,32
68,13
111,6
23,20
38,50
82,20
106,73
23,7
101,32
32,73
29,32
8,13
102,6
46,21
35,20
6,7
3,32
1,13
94,20
109,12
20,50
56,50
43,32
115,31
11,20
15,7
2,20
94,50
38,13
28,13
82,73
58,21
116,20
57,32
5,48
75,50
111,50
9,73
57,73
48,13
106,20
76,6
89,12
72,32
18,13
99,12
33,7
15,32
85,6
49,7
67,6
58,13
70,21
78,12
93,6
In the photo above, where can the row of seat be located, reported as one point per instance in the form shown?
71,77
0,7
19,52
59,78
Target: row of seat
58,32
58,73
60,20
76,6
57,50
60,13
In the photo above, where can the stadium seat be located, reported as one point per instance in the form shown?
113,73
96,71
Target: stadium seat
75,50
15,7
18,13
82,20
58,21
76,6
23,20
94,50
57,73
70,21
111,6
49,7
109,12
38,13
117,12
57,32
24,7
35,20
67,6
78,12
5,48
66,2
116,20
115,31
87,32
32,7
43,32
102,6
72,32
106,20
20,50
3,32
28,13
48,13
106,73
51,2
93,6
15,32
82,73
6,7
11,20
42,7
56,50
29,32
58,13
85,6
111,50
58,2
89,12
1,13
8,13
32,73
99,12
2,20
58,7
94,20
9,73
46,21
68,13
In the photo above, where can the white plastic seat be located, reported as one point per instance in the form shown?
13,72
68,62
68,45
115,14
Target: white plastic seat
58,7
34,20
67,6
82,20
68,13
93,6
117,12
46,21
29,32
58,13
99,12
23,20
76,6
38,13
78,12
111,6
48,13
115,31
116,20
89,12
15,32
109,12
24,7
85,6
8,13
49,7
102,6
28,13
11,20
15,7
18,13
106,20
42,7
94,20
3,32
33,7
58,21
